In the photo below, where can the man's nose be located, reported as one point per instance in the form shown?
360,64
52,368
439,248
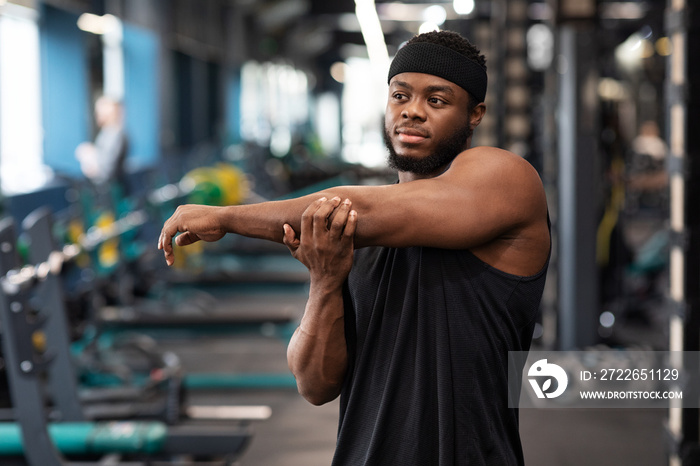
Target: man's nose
414,109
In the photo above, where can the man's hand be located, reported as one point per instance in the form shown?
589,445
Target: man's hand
325,245
317,352
195,222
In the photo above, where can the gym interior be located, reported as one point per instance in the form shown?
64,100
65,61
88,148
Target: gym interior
109,356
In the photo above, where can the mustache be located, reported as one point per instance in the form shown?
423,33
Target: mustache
413,129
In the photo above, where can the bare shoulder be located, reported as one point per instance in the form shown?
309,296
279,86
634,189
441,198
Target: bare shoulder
510,195
494,160
496,170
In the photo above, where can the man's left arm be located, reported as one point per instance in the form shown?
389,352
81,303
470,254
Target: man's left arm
485,194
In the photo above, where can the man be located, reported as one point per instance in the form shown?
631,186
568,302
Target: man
102,162
447,277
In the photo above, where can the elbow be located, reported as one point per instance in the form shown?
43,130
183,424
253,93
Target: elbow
318,396
318,380
316,390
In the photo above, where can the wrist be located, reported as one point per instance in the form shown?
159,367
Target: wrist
326,285
225,218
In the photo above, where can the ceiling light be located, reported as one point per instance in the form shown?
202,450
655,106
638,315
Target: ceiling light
428,27
372,32
338,71
97,24
435,14
663,46
540,46
463,7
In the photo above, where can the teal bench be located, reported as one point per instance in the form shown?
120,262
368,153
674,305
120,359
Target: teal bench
86,438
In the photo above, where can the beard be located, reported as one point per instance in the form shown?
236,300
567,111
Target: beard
444,153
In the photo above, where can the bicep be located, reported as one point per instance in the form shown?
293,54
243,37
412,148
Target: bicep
450,211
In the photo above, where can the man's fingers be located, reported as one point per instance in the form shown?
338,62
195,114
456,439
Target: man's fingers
347,239
164,237
165,242
340,218
289,239
325,210
168,253
316,215
307,217
350,225
186,238
168,232
289,235
320,218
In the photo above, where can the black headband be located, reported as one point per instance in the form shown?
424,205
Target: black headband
438,60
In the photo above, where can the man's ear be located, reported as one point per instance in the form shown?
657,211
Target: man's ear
476,115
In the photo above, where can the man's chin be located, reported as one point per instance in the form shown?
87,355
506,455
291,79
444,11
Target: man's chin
418,165
426,161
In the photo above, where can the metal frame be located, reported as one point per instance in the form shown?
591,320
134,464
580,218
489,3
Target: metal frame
62,376
21,361
682,102
578,203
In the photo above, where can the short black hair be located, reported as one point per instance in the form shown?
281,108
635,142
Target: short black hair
459,44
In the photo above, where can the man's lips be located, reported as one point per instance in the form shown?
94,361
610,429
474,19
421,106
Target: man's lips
410,135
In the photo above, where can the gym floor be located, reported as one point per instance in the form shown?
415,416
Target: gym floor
299,434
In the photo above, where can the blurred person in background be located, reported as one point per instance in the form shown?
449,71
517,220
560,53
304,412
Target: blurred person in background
647,178
103,161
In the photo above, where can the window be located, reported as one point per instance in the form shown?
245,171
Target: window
21,167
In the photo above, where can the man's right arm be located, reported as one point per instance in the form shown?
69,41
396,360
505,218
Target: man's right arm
317,352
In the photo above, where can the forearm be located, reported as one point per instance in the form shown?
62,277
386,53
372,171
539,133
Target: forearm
378,206
317,352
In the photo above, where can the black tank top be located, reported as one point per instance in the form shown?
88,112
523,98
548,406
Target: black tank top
428,333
